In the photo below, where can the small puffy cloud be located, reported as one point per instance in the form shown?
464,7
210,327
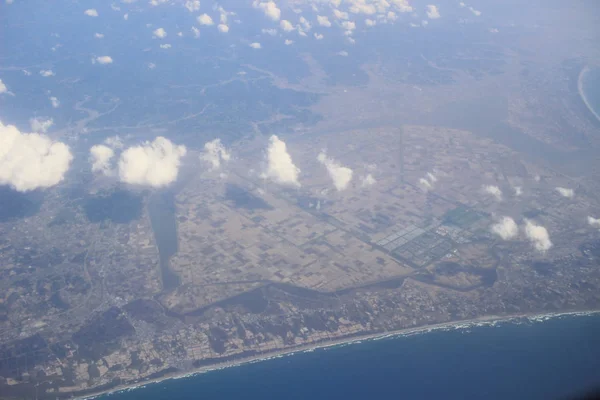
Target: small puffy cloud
305,24
157,2
269,8
518,190
288,42
255,45
538,236
433,12
40,125
368,180
54,101
342,53
349,25
340,175
154,164
280,167
91,12
568,193
3,88
215,153
165,46
426,183
286,25
337,14
494,191
159,33
100,158
318,36
223,28
506,228
114,142
195,32
205,19
46,73
370,22
475,12
104,60
595,222
192,5
151,65
323,21
98,35
125,17
270,32
30,161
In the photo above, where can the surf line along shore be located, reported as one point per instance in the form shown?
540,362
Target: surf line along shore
489,320
581,90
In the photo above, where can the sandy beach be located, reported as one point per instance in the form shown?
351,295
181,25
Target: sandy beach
461,324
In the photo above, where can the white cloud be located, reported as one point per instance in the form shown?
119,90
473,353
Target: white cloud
125,17
337,14
494,191
340,175
323,21
91,12
151,65
157,2
195,32
192,5
280,167
180,34
114,142
370,22
568,193
427,182
165,46
518,190
215,153
305,24
255,45
286,25
104,60
3,88
223,28
54,101
475,12
342,53
595,222
433,12
154,164
100,158
269,8
288,42
349,25
368,180
99,35
40,125
538,236
271,32
159,33
30,161
318,36
205,19
46,73
506,228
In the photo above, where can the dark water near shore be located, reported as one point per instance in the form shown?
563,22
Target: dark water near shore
528,360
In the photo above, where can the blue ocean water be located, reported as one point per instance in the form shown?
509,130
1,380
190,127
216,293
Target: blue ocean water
526,360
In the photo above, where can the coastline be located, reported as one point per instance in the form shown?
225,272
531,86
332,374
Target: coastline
581,91
489,320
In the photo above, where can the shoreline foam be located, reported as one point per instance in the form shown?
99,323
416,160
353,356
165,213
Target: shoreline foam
490,320
581,91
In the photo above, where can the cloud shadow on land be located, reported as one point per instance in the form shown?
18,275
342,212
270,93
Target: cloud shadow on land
16,205
119,206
